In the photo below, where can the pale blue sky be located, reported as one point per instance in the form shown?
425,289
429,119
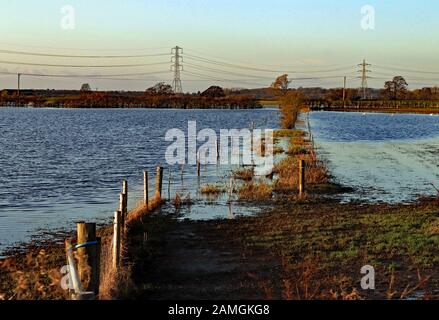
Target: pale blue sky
306,35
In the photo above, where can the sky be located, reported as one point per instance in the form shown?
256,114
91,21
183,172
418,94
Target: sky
229,43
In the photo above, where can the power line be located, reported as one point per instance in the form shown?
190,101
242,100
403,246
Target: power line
36,54
91,76
81,66
83,49
267,65
203,68
209,69
236,66
406,70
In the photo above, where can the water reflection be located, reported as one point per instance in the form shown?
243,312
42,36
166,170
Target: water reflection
60,166
384,158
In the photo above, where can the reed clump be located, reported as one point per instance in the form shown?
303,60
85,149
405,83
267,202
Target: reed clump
143,209
115,284
288,133
287,171
212,189
34,276
255,191
244,174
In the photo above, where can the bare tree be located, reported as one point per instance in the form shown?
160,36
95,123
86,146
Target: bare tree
85,87
161,88
396,88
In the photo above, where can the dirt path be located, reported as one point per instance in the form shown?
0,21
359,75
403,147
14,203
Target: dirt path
196,261
308,251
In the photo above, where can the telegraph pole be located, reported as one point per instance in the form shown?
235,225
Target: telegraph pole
177,67
18,91
344,92
364,71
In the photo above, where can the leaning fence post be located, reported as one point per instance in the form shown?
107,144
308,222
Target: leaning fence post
88,256
79,293
159,182
73,272
301,177
116,240
145,189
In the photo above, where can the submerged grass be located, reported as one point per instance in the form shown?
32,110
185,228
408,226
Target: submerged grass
244,174
289,133
212,189
255,191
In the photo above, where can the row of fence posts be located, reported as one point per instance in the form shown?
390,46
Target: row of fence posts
87,268
89,245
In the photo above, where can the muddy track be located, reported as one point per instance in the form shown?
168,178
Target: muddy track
195,261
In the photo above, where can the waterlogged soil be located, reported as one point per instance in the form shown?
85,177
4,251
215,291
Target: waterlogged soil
312,250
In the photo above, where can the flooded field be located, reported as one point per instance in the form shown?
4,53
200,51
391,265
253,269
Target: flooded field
60,166
384,157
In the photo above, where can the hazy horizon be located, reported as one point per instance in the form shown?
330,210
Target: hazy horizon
225,43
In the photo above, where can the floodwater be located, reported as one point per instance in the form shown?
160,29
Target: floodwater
390,158
58,166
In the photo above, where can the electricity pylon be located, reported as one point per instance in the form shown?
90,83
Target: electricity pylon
177,67
364,71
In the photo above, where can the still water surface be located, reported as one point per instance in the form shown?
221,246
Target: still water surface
58,166
384,157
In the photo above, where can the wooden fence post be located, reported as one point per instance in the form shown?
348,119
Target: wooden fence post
125,192
122,197
88,256
159,182
301,177
116,240
98,264
145,189
169,183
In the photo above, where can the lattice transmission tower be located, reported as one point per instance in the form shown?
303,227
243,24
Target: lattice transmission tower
177,67
364,71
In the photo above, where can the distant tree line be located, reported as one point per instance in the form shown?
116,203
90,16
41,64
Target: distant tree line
160,95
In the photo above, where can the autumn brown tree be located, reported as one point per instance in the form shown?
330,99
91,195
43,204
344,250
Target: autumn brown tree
280,85
290,104
290,101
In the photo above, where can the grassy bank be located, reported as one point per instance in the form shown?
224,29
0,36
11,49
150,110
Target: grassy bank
312,250
427,110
